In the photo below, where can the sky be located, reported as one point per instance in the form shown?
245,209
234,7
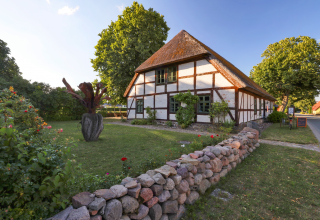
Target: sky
52,39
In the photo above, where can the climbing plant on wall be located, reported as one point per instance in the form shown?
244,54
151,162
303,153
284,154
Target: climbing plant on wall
186,111
219,110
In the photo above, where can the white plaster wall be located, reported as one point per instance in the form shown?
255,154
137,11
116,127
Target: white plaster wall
216,98
186,69
132,91
132,114
204,92
227,116
220,81
172,117
240,102
251,113
131,100
140,78
185,84
172,94
241,117
139,116
228,95
203,118
150,76
161,101
204,81
172,87
160,89
245,101
140,89
148,101
161,114
149,88
203,66
245,114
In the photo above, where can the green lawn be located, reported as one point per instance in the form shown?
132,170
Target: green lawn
117,141
274,182
297,135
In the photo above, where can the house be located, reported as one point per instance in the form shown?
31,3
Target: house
316,108
183,64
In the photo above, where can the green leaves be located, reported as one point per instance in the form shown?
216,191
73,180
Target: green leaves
186,114
125,44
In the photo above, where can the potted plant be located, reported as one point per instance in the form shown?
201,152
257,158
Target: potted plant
92,123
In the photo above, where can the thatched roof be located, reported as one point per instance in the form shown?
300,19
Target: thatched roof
184,46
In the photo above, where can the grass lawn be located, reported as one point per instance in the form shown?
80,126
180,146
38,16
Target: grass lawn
274,182
118,141
297,135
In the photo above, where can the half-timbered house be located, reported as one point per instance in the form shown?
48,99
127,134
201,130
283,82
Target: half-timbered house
183,64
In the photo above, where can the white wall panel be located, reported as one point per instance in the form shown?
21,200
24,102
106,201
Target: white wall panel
246,101
132,114
161,114
140,89
172,117
132,91
172,87
139,116
186,69
161,101
240,101
150,76
140,78
252,102
203,118
131,103
148,101
203,66
216,98
228,95
241,117
204,92
245,116
204,81
220,81
149,88
185,84
160,89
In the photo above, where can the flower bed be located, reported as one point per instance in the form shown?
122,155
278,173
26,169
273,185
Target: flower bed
162,193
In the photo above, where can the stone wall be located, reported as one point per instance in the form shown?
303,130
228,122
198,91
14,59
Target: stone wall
161,194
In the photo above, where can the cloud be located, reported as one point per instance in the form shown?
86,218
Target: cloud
48,1
68,11
120,8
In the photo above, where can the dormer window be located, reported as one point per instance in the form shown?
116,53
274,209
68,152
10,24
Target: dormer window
172,74
166,75
161,76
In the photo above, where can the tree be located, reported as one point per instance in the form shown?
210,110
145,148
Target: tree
125,44
305,104
8,66
290,69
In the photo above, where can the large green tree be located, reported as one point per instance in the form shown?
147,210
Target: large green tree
290,69
125,44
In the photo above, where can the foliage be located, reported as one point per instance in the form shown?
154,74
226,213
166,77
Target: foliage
219,110
169,123
151,118
290,69
34,167
275,117
139,122
227,128
125,44
186,114
123,119
8,67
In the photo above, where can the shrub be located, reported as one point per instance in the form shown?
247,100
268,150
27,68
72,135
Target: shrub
33,167
185,115
219,110
275,117
151,115
139,122
169,123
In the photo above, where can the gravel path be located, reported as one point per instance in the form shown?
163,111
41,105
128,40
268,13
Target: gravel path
287,144
162,128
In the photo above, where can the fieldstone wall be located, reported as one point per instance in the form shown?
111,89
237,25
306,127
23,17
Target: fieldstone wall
161,194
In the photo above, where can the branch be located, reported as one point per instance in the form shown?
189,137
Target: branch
70,91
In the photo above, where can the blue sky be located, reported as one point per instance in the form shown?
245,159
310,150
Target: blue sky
52,39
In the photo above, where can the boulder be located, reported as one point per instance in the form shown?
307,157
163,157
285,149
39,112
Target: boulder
164,217
215,178
158,178
204,185
145,194
247,129
169,184
113,210
63,215
129,204
224,161
142,212
166,171
216,151
170,207
191,161
155,212
165,195
97,204
208,173
183,172
182,198
107,194
81,213
174,194
183,187
216,165
210,155
192,198
156,189
152,202
119,190
179,214
223,173
134,192
145,180
197,179
201,168
176,179
82,199
172,164
231,158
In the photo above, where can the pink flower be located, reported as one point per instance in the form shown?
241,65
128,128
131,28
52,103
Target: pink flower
61,130
49,126
107,173
199,135
10,126
54,138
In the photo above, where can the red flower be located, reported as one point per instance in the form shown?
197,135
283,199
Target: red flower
30,106
38,130
212,136
14,92
123,158
129,168
217,135
25,110
199,135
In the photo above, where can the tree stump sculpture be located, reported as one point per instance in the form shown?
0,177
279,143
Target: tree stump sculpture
92,123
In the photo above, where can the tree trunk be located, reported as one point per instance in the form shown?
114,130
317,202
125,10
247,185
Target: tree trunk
284,103
92,126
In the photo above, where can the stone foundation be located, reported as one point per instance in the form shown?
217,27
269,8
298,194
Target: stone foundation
161,194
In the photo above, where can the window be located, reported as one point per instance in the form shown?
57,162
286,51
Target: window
270,108
174,105
204,104
260,106
255,106
161,76
140,106
172,74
